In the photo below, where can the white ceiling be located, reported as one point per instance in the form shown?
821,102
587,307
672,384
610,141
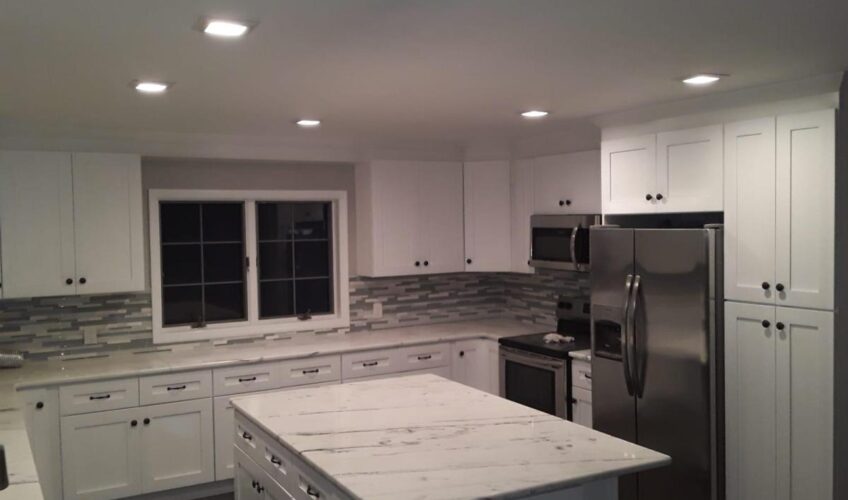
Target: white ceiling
393,73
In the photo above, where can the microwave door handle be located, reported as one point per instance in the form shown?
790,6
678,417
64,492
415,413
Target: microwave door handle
573,246
625,347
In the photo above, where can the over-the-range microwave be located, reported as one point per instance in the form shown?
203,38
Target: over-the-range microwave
561,241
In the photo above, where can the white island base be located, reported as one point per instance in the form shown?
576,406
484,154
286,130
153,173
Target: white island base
420,437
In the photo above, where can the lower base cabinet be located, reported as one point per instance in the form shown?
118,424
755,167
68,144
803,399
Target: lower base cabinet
475,363
778,402
126,452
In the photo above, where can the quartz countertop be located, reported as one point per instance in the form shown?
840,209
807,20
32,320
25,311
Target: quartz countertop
425,437
582,355
22,472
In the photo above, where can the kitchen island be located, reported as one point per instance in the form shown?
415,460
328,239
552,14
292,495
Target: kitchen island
421,437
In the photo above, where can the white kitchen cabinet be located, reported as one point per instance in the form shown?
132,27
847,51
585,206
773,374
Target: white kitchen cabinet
628,175
581,406
248,479
487,215
779,210
521,209
778,402
409,218
472,364
41,414
690,170
100,455
70,223
567,183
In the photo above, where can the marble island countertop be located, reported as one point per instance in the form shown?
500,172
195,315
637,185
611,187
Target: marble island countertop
426,437
34,374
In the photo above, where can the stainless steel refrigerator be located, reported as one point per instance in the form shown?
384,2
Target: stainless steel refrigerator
656,331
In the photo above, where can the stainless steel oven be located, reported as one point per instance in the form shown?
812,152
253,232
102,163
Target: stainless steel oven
561,241
534,380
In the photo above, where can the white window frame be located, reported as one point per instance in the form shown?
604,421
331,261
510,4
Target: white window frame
252,325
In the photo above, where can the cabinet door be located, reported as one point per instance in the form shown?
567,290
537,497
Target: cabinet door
107,222
567,183
41,412
395,216
471,364
805,209
177,445
521,208
749,216
440,216
100,458
487,216
629,175
690,170
36,224
750,402
581,406
248,478
804,404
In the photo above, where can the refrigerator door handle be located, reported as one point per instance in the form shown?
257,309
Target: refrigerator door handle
625,348
573,247
638,353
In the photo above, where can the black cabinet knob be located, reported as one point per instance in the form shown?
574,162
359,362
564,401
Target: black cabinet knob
69,281
254,484
568,203
426,262
39,405
468,261
780,326
779,287
766,285
766,323
417,264
146,421
659,196
561,203
461,354
133,423
82,281
649,197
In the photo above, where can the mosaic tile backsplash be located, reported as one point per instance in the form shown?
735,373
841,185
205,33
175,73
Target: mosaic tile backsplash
53,326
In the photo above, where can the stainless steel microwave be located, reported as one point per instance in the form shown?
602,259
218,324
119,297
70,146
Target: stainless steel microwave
561,241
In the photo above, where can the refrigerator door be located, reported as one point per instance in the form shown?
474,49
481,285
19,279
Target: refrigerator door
671,318
613,404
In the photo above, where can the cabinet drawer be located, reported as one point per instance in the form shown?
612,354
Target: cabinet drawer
98,396
368,363
247,438
278,462
579,394
246,378
310,371
175,387
425,356
581,375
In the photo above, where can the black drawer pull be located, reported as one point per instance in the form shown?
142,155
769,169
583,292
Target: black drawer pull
275,460
588,376
246,435
102,396
247,379
425,357
312,370
176,387
370,363
312,492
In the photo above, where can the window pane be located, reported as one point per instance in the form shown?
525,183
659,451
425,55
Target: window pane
181,305
313,295
223,222
276,299
274,221
223,262
312,258
275,260
224,302
181,264
179,222
311,220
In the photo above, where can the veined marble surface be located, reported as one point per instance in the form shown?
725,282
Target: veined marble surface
427,438
22,471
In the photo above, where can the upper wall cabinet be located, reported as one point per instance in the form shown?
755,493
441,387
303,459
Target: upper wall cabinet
779,210
567,183
521,208
675,171
70,223
409,218
487,215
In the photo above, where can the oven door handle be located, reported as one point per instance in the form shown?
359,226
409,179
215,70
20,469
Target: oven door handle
530,360
626,345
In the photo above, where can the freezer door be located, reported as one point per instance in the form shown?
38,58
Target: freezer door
671,315
613,408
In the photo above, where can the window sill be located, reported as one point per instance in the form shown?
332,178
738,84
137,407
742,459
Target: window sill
245,329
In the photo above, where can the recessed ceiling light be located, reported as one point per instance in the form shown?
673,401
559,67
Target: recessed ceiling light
227,29
308,123
148,87
702,79
534,113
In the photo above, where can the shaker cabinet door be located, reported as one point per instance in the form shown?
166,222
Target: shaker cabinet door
629,175
567,183
690,170
440,213
487,216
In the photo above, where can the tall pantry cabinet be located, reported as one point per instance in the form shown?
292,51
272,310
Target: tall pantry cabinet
779,319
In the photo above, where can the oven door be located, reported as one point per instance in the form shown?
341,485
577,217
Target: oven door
533,380
560,242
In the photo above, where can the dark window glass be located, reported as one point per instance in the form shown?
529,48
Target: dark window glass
531,386
202,246
295,276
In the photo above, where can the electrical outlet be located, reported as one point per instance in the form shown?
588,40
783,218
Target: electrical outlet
377,310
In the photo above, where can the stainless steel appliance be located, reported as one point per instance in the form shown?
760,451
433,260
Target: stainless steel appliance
536,373
561,241
656,331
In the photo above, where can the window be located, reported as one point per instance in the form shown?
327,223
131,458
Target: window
231,263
